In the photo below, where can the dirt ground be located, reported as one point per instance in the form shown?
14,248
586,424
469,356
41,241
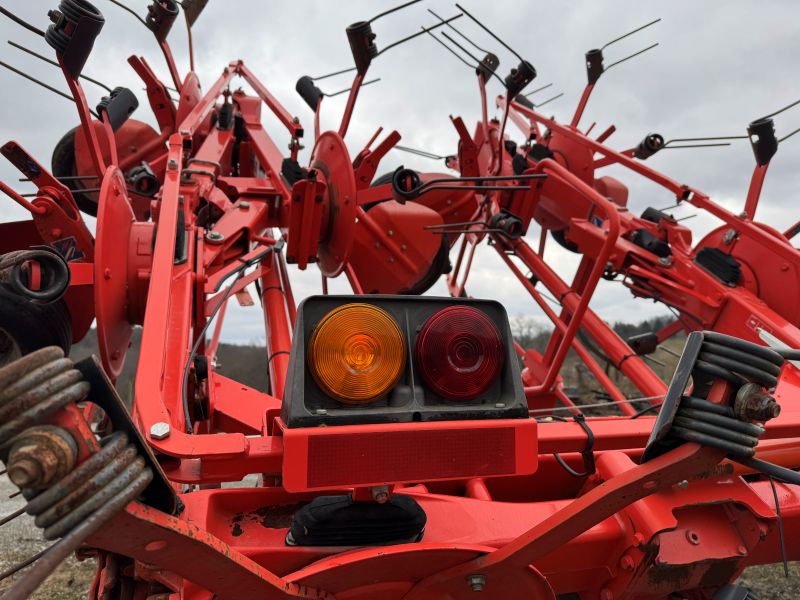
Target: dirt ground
20,539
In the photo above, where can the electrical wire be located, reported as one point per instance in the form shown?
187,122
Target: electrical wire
239,273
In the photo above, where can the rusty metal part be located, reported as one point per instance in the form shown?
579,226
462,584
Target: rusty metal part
41,456
68,502
48,560
35,386
87,488
752,403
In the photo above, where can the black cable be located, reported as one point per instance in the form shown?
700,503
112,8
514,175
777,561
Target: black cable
646,410
587,453
781,535
239,273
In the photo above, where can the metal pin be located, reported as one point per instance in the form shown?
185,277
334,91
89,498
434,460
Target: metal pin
20,22
489,31
44,85
25,563
460,33
622,37
55,64
12,516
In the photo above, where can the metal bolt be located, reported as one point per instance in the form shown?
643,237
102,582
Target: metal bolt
41,456
380,493
321,411
682,485
665,261
752,404
159,430
476,582
742,550
729,236
500,405
692,537
215,237
172,164
244,204
390,233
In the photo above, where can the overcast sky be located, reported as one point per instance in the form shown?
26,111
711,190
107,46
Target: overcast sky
719,65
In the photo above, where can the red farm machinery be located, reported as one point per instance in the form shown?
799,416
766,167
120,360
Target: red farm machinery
407,446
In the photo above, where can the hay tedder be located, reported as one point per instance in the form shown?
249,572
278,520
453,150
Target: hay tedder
406,446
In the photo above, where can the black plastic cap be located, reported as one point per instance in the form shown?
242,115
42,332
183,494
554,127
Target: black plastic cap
763,140
508,223
520,99
404,184
362,45
652,143
487,66
161,14
309,92
76,25
519,77
594,65
192,9
119,106
643,343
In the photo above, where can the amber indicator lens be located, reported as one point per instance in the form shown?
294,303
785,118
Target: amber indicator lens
357,353
459,353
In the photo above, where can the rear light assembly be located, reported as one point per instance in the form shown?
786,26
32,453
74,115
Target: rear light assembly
395,359
398,389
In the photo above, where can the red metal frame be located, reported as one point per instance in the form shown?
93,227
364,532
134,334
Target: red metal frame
626,531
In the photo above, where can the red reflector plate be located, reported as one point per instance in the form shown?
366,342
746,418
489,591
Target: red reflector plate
357,455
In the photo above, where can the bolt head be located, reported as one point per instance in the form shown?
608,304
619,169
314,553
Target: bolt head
244,204
380,493
159,430
476,582
214,236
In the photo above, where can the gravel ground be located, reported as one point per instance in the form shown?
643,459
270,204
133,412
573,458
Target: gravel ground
20,539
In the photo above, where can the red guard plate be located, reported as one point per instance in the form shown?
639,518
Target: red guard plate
114,222
331,158
390,572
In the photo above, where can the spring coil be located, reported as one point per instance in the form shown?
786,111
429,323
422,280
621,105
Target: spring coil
115,469
73,11
76,502
709,424
34,387
738,362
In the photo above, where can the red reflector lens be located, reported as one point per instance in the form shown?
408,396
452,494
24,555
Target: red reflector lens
459,353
